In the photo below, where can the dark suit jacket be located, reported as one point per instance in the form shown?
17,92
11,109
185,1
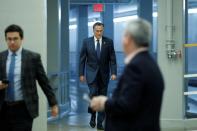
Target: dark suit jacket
31,71
136,102
90,62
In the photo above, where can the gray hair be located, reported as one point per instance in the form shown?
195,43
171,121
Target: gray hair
140,30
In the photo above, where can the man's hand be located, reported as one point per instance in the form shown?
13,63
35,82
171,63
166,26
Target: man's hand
113,77
98,103
82,78
3,86
54,111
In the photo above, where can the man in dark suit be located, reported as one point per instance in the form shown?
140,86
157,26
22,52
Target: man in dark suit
136,102
98,59
19,71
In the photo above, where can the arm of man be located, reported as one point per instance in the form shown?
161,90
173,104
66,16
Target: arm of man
82,61
129,99
113,64
3,84
44,83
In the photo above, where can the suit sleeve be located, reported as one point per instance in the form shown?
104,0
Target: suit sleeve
1,78
1,72
82,59
128,99
44,82
113,64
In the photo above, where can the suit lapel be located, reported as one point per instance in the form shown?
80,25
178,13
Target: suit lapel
92,45
23,63
102,46
4,60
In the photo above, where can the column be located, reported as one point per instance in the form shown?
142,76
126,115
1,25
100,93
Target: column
82,24
64,8
58,50
31,16
82,31
145,11
171,31
107,18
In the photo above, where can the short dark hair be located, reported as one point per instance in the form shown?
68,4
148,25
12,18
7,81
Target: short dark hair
98,24
14,28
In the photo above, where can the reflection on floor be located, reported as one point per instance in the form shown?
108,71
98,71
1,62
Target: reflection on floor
78,118
79,122
76,122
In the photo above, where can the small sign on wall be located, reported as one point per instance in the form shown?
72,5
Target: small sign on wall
98,7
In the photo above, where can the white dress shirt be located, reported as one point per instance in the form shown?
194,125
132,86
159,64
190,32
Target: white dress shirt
18,94
95,42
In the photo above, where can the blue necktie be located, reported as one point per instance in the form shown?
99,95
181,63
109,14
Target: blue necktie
98,50
10,91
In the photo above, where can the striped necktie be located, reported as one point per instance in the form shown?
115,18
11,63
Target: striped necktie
98,50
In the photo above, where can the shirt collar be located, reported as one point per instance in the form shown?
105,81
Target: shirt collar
18,52
130,57
95,39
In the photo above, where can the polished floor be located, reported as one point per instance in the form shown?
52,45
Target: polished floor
77,118
79,122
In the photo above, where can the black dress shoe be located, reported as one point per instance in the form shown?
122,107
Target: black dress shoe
93,121
100,127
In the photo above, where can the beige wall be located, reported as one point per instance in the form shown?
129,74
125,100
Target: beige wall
173,110
31,16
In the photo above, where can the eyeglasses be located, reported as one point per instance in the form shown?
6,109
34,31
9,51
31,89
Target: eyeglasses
12,39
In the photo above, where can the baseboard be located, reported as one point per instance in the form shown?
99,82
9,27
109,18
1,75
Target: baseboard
188,124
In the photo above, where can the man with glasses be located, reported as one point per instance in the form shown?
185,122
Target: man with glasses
19,71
